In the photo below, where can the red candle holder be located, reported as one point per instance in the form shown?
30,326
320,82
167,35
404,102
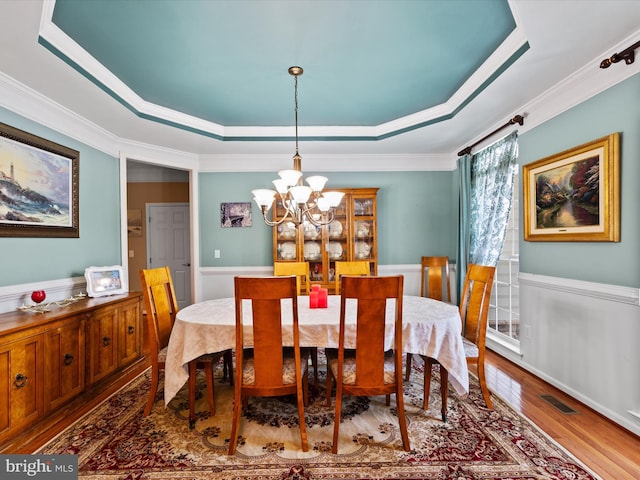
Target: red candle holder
313,299
323,298
38,296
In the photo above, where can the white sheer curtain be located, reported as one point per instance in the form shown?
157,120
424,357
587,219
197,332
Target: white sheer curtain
486,185
492,171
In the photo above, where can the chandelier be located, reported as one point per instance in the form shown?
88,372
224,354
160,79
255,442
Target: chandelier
301,203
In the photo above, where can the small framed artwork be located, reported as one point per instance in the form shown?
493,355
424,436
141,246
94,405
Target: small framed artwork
102,281
574,196
236,214
134,222
39,181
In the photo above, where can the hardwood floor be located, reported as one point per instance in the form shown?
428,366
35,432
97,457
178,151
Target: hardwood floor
609,450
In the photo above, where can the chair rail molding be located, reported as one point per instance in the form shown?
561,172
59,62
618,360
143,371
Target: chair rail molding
14,296
615,293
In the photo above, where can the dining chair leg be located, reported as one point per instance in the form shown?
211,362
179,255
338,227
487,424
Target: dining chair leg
336,420
237,407
483,386
407,372
428,362
444,392
192,393
155,376
227,367
314,362
305,389
208,369
402,420
301,404
328,386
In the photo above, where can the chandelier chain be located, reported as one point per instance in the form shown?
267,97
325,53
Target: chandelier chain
296,110
301,203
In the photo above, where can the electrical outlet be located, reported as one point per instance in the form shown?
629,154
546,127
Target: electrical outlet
216,253
527,331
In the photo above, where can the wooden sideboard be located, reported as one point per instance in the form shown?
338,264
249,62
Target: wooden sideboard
54,366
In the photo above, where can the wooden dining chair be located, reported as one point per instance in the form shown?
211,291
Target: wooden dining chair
359,267
434,283
368,369
474,311
299,269
303,276
161,307
266,368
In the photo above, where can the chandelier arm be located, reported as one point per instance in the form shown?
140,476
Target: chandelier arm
318,223
271,223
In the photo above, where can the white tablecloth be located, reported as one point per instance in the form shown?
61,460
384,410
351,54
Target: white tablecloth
430,328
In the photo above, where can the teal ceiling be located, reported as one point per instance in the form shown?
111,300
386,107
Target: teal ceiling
225,62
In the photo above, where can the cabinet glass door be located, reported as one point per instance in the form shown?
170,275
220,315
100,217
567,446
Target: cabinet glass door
364,230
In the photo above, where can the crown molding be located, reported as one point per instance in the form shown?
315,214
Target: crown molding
60,44
329,163
583,84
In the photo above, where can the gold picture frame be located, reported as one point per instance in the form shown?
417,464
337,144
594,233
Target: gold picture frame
574,196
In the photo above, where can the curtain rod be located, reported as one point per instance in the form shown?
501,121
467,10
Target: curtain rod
519,119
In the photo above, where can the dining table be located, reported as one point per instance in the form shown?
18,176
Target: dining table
429,327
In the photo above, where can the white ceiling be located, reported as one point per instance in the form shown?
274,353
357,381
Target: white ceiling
564,37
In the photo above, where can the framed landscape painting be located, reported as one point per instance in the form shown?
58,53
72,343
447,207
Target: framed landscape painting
39,185
574,195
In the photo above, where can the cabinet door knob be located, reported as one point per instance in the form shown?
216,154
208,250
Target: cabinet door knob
20,381
106,341
131,329
68,359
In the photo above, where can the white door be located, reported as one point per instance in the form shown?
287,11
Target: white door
168,243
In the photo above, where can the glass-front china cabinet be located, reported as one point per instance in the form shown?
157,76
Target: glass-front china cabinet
352,235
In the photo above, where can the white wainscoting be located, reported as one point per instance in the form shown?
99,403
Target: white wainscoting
217,282
582,337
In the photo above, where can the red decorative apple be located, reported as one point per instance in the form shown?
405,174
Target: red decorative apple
38,296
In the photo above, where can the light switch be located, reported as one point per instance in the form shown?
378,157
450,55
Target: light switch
131,254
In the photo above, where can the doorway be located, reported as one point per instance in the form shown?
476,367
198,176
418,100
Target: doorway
148,183
168,240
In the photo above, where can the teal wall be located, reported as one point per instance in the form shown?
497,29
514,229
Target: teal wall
615,110
415,212
27,260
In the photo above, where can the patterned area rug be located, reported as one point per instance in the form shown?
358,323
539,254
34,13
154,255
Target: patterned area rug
115,442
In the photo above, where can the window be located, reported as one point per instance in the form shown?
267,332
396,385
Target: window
504,308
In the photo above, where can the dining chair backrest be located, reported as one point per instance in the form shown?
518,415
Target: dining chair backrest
266,369
371,370
474,312
299,269
435,282
359,267
161,306
474,303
